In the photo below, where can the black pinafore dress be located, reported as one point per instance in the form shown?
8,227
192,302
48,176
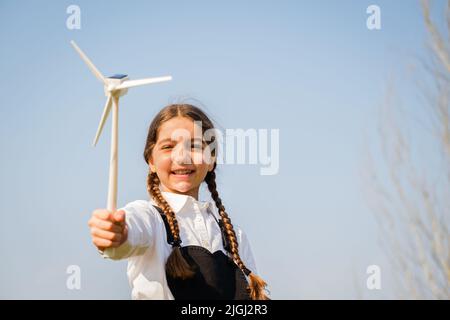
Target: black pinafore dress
216,276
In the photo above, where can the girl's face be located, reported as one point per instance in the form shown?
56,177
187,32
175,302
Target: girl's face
178,157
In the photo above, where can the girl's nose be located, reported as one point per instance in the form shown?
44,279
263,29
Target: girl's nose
181,154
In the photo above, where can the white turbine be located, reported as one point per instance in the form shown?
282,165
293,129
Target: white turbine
115,87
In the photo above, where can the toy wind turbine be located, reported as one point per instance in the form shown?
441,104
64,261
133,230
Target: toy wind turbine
115,87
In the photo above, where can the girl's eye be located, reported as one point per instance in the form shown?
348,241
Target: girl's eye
166,147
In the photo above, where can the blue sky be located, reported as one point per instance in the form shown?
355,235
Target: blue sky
308,68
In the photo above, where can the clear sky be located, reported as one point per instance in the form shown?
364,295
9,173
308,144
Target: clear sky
311,69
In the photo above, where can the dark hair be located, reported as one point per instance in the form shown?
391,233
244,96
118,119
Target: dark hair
176,265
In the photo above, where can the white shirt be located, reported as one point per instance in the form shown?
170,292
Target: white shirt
147,249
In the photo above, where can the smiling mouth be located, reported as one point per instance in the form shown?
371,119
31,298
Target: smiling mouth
182,172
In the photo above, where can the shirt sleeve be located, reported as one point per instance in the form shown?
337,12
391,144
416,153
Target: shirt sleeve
140,233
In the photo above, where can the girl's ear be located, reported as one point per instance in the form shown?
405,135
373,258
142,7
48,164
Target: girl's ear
151,165
211,165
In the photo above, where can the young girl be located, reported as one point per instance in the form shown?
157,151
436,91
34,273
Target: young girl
177,246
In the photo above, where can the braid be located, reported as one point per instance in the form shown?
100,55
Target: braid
257,285
176,265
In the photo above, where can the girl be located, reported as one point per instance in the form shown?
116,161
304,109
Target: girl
177,246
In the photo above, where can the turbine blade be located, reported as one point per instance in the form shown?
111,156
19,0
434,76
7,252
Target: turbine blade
88,62
134,83
103,119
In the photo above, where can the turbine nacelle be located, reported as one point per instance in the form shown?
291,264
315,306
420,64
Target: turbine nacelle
113,82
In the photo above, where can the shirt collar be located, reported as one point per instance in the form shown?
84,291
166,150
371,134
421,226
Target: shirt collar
179,201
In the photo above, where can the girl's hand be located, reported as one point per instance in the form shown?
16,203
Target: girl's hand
108,229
